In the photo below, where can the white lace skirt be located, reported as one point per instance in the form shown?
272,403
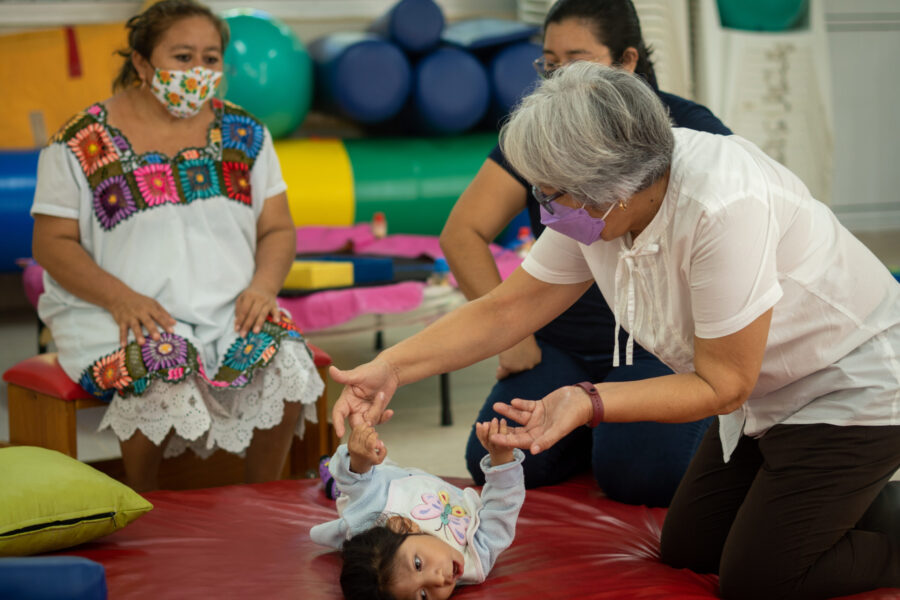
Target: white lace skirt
205,419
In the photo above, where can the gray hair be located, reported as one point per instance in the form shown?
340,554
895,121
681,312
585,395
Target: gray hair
600,134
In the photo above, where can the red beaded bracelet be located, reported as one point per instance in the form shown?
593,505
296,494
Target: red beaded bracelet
596,402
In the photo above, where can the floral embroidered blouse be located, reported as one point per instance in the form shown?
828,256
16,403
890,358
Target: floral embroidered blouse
179,229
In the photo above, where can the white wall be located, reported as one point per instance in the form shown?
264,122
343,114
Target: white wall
864,44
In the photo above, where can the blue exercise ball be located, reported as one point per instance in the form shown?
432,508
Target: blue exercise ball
360,76
267,70
414,25
450,91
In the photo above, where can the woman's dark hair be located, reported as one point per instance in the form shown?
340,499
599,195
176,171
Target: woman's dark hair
145,29
615,24
368,562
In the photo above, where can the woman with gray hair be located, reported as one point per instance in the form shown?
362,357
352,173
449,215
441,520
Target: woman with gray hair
770,313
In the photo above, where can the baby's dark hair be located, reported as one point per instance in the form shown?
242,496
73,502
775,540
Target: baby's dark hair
369,559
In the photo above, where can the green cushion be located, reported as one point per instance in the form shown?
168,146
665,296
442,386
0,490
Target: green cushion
50,501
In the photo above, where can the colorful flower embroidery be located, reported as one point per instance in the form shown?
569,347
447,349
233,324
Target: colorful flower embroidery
240,381
175,374
156,184
110,371
120,143
242,133
198,179
95,109
284,321
247,350
92,147
191,154
113,201
168,351
88,384
140,385
215,135
237,181
154,158
268,354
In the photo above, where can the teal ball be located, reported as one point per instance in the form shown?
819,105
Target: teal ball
268,71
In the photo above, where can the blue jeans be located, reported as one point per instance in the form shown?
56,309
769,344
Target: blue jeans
635,463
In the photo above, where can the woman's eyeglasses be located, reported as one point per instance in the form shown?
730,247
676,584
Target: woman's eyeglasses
545,200
544,67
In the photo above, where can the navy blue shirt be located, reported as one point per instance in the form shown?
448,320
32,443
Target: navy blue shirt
587,327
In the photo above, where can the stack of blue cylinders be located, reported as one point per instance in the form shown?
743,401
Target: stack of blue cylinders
410,73
414,25
360,76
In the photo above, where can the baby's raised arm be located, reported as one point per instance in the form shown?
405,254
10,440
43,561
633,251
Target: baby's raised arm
365,449
500,455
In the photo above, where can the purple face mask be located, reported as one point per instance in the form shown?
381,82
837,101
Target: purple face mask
575,223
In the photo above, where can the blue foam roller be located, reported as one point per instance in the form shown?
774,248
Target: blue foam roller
478,34
450,91
366,269
511,75
360,76
18,177
52,578
414,25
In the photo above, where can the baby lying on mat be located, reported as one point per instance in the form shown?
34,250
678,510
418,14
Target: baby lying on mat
405,534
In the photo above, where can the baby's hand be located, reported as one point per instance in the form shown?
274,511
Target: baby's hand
500,455
365,448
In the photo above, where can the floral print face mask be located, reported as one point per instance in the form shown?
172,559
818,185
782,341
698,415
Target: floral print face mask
184,93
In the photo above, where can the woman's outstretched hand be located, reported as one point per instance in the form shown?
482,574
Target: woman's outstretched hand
367,390
545,421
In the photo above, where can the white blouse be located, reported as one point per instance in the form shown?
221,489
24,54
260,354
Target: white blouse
738,234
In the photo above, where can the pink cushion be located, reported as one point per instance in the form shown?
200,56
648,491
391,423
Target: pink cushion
43,374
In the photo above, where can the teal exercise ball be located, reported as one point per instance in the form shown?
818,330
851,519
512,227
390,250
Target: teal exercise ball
762,15
267,69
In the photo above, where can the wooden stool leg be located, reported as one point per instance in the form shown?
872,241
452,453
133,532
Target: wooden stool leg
39,420
318,440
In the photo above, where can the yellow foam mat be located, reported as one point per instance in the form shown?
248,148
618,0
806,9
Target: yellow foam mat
312,275
319,179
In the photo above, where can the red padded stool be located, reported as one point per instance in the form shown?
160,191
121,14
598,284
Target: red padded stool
43,401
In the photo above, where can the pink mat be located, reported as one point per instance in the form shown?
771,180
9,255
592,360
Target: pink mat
325,309
329,308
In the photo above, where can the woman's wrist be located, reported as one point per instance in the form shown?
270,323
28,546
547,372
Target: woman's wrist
595,407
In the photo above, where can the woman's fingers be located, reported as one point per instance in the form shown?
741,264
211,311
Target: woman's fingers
376,410
338,375
520,413
339,413
515,437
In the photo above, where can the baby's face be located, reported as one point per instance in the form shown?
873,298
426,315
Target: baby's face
426,568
